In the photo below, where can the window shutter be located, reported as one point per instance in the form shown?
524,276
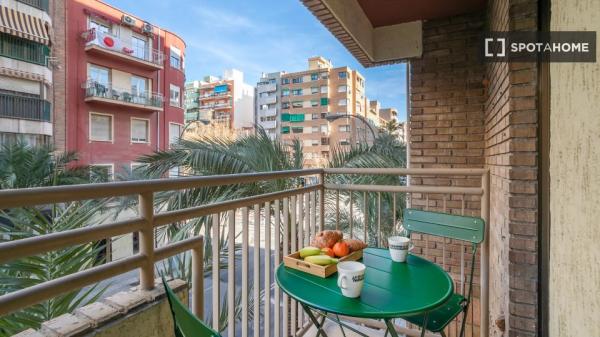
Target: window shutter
101,127
139,130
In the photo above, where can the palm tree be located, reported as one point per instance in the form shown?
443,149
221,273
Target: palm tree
22,166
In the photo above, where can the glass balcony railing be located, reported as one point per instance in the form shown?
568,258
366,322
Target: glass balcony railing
24,107
107,91
39,4
115,44
23,50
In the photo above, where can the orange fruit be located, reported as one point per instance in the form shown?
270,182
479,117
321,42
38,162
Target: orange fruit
341,249
328,251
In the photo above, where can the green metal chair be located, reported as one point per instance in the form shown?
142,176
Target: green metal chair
464,228
185,323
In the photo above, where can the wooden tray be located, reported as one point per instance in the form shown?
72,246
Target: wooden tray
295,262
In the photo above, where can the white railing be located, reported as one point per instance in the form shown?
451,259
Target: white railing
279,223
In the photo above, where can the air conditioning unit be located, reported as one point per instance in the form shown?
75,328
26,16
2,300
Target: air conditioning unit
128,20
147,28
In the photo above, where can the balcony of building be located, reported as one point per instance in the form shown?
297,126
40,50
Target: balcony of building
266,100
106,93
269,112
110,46
266,87
19,106
268,124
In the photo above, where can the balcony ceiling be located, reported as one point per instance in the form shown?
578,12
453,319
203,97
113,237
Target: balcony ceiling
381,32
390,12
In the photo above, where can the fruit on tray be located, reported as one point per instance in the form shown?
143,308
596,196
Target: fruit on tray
309,251
326,239
321,260
355,244
341,249
328,251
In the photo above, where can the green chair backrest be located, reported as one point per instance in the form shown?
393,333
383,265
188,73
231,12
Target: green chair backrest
466,228
186,324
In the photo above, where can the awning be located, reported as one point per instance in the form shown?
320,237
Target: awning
23,25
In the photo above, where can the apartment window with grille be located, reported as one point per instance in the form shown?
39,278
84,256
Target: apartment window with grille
297,92
324,89
324,128
314,76
140,130
285,92
315,142
297,80
285,129
343,102
342,74
314,103
314,90
285,81
324,101
139,45
297,104
175,95
324,76
342,88
101,127
297,129
315,129
316,115
344,142
175,58
101,172
174,133
285,105
324,141
344,128
100,26
99,75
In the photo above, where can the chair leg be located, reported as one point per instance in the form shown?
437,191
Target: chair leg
442,333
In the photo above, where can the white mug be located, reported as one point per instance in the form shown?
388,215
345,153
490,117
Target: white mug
351,277
399,247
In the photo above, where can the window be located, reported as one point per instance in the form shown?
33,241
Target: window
342,74
314,103
101,172
139,45
297,80
296,118
342,88
140,130
100,26
324,128
315,129
344,142
101,127
285,92
138,89
314,90
174,133
344,128
343,102
297,104
314,76
285,81
285,129
285,117
175,58
316,116
297,129
324,101
324,89
285,105
297,92
175,96
324,76
99,75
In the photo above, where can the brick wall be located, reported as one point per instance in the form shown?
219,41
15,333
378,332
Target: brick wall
447,131
58,14
465,113
511,155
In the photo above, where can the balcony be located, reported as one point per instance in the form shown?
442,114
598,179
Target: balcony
106,93
108,45
214,96
39,4
268,124
24,107
267,100
268,112
23,50
280,222
266,87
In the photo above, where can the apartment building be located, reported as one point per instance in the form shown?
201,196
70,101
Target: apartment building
26,82
309,96
268,103
123,80
225,100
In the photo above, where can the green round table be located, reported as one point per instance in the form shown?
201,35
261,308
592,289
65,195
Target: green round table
391,289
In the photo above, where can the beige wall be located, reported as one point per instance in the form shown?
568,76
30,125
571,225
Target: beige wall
574,182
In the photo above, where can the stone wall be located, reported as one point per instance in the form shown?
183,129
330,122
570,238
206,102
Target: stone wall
58,13
134,313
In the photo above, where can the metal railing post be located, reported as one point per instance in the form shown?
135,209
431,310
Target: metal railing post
484,260
198,280
146,212
322,202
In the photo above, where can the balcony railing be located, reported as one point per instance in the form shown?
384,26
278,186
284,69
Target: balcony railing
24,107
24,50
105,91
280,222
114,45
39,4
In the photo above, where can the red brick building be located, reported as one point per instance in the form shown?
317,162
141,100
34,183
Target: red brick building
124,81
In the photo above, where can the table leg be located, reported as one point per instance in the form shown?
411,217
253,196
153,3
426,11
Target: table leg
340,324
315,322
423,328
390,328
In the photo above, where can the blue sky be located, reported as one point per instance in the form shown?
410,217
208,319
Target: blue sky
258,36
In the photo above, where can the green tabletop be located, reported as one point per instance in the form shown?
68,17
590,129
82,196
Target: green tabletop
391,289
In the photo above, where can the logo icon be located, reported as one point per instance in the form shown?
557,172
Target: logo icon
489,42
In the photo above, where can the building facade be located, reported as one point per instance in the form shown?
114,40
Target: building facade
26,82
225,100
124,81
268,103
